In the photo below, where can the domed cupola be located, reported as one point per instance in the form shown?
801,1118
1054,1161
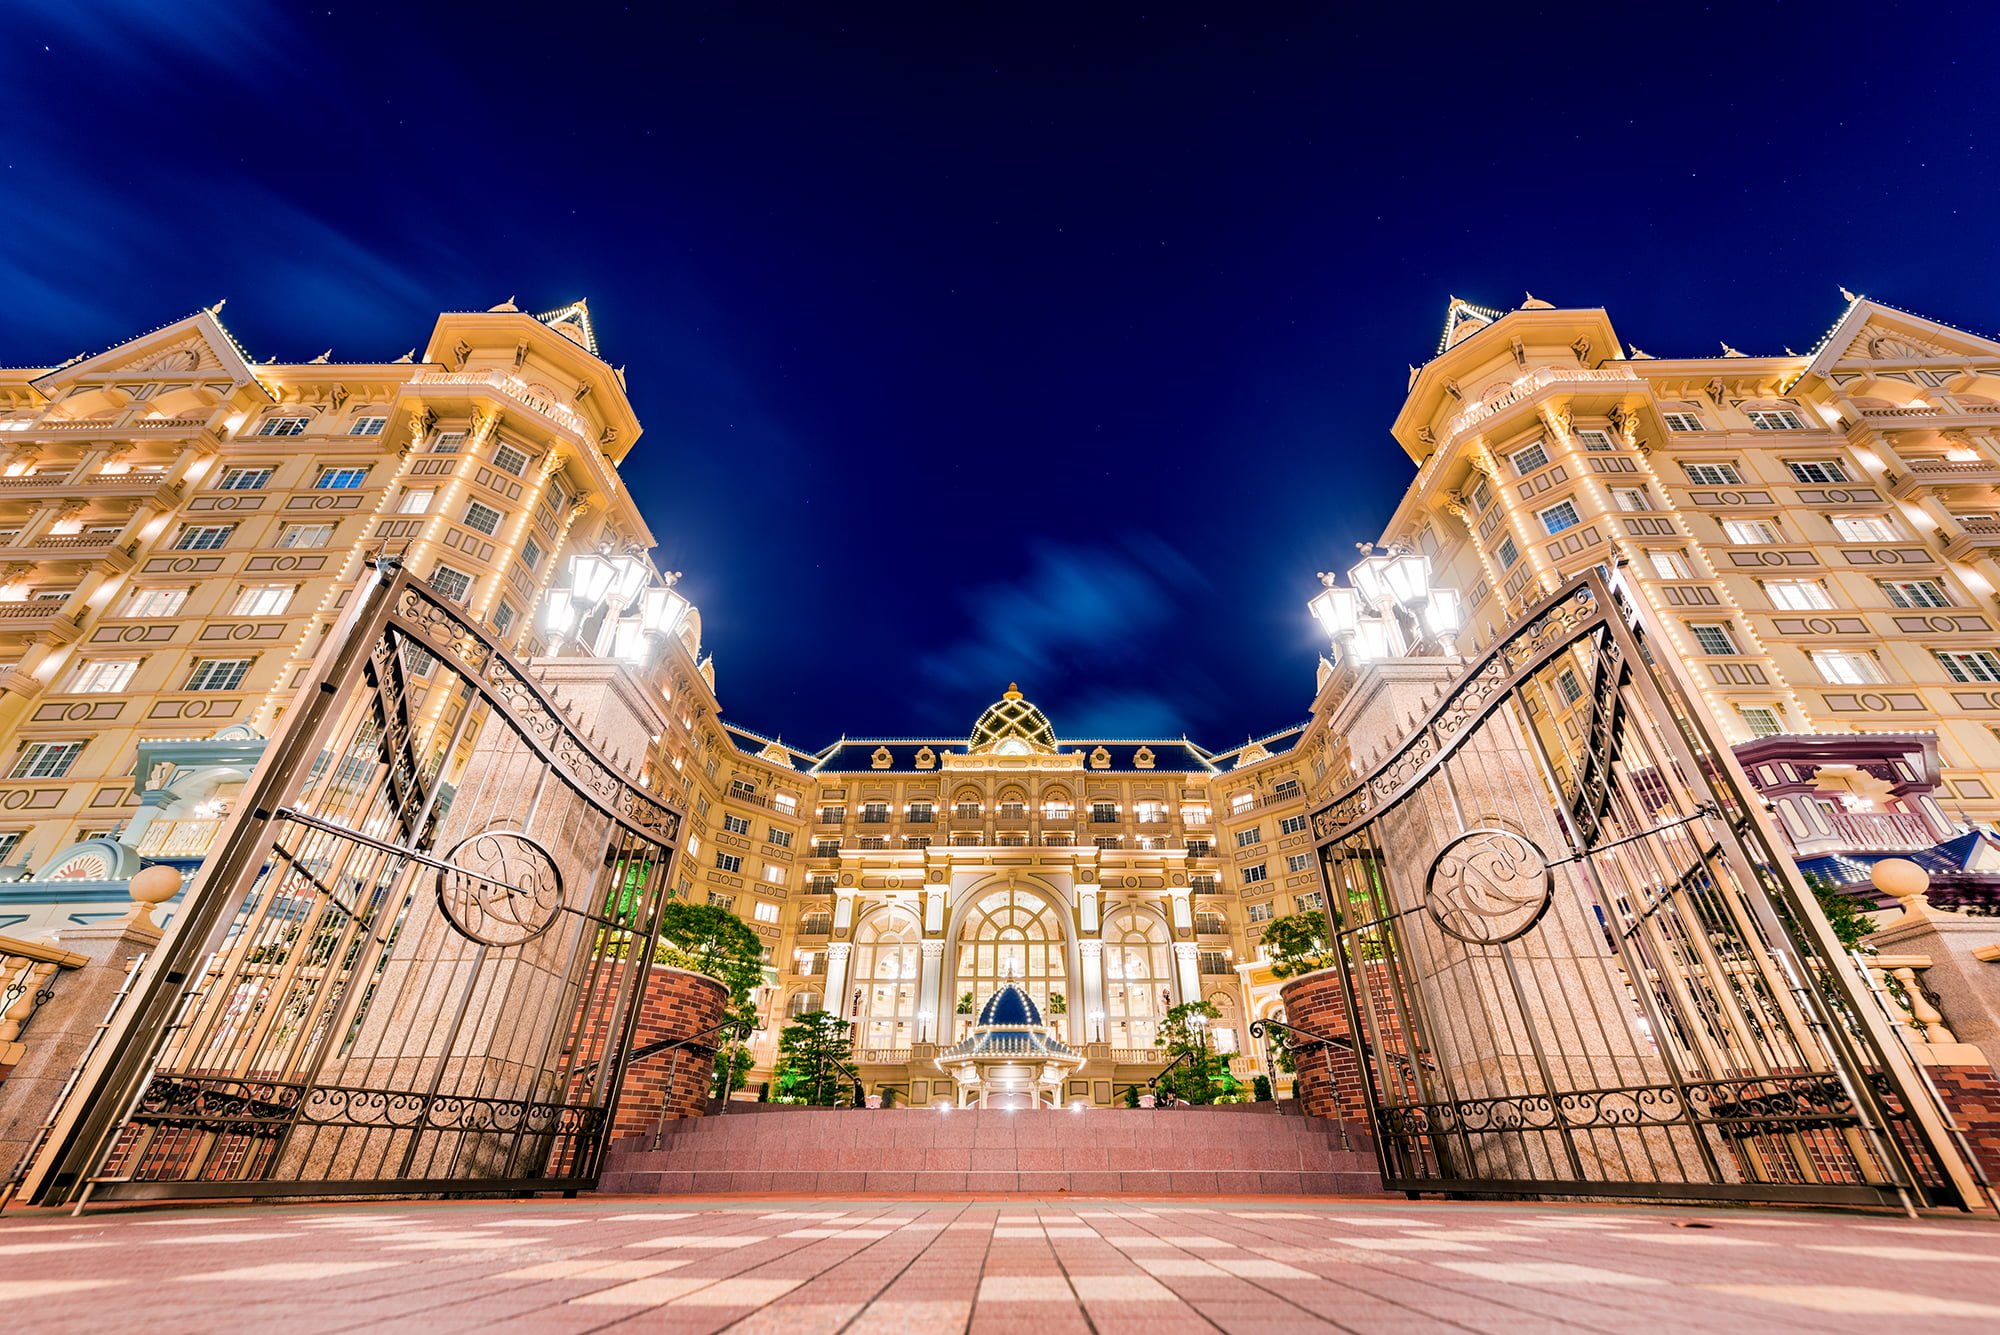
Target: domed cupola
1010,1006
1013,726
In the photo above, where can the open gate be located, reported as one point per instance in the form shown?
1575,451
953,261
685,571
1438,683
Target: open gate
1582,963
412,963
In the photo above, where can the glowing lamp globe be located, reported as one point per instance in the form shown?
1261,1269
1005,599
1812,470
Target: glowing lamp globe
1338,611
1407,577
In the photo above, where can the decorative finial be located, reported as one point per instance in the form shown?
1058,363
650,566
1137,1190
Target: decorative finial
216,309
1639,354
1535,303
409,356
504,307
1728,351
1013,691
322,359
1847,296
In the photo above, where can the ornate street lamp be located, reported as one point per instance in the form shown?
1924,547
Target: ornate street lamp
610,607
1387,609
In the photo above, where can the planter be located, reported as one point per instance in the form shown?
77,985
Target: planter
1327,1077
677,1005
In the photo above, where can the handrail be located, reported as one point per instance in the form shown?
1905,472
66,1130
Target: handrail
1258,1027
1154,1083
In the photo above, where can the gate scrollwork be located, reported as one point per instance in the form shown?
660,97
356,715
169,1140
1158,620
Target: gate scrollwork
1489,886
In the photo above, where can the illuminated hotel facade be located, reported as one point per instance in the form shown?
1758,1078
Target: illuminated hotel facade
183,526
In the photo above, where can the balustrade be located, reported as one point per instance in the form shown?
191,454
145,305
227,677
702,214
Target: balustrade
1900,985
189,838
28,971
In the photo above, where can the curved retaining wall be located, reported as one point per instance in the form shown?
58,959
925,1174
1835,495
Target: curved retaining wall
678,1004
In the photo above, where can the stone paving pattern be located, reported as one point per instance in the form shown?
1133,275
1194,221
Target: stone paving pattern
778,1265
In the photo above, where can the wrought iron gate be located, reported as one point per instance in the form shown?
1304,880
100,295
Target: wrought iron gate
413,961
1580,963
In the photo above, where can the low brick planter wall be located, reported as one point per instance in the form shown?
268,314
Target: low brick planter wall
677,1005
1327,1077
1973,1095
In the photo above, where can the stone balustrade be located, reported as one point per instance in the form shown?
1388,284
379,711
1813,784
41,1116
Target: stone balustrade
28,972
1900,985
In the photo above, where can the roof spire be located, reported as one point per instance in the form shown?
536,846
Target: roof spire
1847,296
1013,691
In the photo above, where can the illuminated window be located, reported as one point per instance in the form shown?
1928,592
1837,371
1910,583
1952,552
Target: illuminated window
1916,593
764,911
1761,721
203,537
1507,553
305,535
1632,499
448,442
887,965
1817,470
1865,528
1669,564
1798,595
1970,664
1776,419
262,600
244,479
482,517
1682,422
453,584
1712,475
416,502
46,760
1560,516
1597,442
99,675
283,426
531,553
367,426
1138,968
340,479
510,460
217,674
1751,532
1714,639
154,602
1846,669
1528,460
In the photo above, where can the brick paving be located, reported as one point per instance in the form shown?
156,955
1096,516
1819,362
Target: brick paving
785,1264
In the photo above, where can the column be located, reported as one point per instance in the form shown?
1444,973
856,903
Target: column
1091,1029
929,993
1187,969
836,977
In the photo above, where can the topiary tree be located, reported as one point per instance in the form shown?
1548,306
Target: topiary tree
1298,944
812,1050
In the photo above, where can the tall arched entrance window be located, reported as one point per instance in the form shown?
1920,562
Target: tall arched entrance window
1012,936
1137,975
887,953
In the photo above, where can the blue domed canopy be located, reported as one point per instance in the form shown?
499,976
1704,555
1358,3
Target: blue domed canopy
1010,1006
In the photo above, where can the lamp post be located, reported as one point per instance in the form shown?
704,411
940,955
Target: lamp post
1387,608
609,607
1097,1025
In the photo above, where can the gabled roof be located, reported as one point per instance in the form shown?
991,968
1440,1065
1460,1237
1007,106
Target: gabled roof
1463,319
1860,311
574,320
224,354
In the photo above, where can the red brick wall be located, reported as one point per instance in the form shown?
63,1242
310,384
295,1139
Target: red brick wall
677,1005
1327,1077
1973,1095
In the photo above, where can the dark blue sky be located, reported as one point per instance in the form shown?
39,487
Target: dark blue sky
1039,345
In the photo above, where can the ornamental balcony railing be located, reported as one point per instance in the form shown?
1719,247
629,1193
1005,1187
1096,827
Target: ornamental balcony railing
1528,386
514,388
189,838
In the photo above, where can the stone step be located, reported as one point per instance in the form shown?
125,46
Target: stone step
1235,1150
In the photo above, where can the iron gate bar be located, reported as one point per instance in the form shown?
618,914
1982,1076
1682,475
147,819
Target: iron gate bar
257,898
1821,1089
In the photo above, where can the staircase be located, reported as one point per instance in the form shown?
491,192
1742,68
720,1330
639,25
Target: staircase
1246,1149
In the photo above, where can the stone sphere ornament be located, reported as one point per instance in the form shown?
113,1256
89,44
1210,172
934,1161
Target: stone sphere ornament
1487,887
150,888
501,889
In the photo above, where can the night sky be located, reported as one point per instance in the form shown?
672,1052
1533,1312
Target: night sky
1000,344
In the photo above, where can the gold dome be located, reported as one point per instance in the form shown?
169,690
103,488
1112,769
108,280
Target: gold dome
1011,722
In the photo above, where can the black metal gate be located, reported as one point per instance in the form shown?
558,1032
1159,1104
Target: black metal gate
1581,963
412,963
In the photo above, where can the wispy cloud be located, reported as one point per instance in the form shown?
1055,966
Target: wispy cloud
1078,616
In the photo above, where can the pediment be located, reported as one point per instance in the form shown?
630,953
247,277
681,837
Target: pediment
1872,336
197,347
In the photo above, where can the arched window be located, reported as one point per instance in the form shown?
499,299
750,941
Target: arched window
887,958
1137,971
1012,936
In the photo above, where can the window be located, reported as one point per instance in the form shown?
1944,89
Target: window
154,602
1241,802
453,584
1102,840
448,442
1683,422
531,553
100,675
774,873
1104,813
1762,721
1252,875
1150,813
1798,595
203,537
1482,495
1712,475
821,882
764,911
482,517
1846,669
1211,962
920,840
727,861
1865,528
262,600
1817,470
1194,815
1198,848
340,479
965,811
510,460
305,535
1253,835
1776,419
744,788
1970,664
1569,685
1507,553
1751,532
874,813
778,838
1560,516
1292,825
217,674
283,426
1632,499
46,760
1311,902
1714,639
1916,593
921,813
832,815
1260,912
503,618
786,803
826,848
1298,862
244,479
1597,442
718,900
367,426
1528,460
1283,789
736,824
416,502
1669,564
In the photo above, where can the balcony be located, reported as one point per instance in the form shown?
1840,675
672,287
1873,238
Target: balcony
1937,473
39,616
1870,832
1974,537
178,838
72,547
1569,379
514,390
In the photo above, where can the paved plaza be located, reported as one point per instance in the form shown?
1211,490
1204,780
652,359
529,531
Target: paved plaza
771,1265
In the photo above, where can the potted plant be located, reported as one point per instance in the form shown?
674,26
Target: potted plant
965,1003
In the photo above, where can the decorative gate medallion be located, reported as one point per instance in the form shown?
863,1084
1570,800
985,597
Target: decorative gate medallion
1489,886
502,888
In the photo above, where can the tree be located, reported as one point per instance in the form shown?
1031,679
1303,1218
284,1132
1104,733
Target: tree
1849,922
708,940
812,1052
1203,1076
1298,944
